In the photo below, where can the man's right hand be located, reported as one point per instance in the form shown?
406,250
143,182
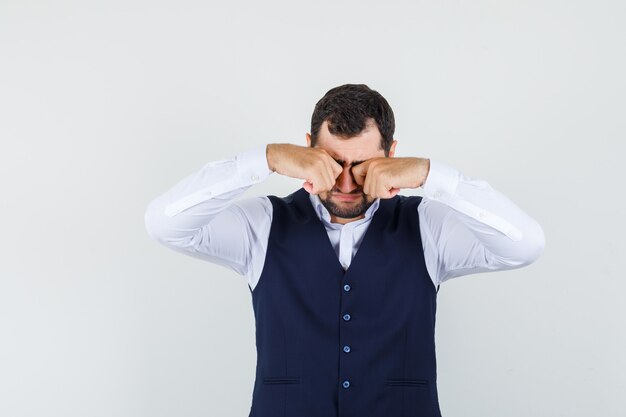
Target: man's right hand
314,165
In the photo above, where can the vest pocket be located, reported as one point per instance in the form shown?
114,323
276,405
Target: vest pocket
281,380
406,382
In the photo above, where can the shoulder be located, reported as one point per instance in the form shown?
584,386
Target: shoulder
409,199
405,202
297,197
293,207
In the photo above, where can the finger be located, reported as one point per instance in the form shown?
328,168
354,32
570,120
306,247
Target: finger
333,171
390,190
368,181
359,173
321,170
382,190
319,175
316,184
384,185
374,175
336,168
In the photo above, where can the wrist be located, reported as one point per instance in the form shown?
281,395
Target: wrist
270,155
425,170
419,173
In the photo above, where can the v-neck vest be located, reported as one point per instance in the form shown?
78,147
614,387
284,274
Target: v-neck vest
353,343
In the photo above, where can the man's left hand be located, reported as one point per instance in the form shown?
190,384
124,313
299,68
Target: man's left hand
384,177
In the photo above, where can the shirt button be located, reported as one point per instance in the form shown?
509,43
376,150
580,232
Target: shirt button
346,317
346,348
346,384
482,214
255,177
346,287
437,194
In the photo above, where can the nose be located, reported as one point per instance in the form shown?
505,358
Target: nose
345,181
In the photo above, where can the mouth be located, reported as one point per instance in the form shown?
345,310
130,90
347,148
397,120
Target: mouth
347,197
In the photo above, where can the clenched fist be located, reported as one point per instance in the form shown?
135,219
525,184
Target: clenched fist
314,165
384,177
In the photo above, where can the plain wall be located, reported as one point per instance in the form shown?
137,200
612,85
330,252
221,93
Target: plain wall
104,105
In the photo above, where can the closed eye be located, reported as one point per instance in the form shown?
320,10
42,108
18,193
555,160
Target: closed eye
342,162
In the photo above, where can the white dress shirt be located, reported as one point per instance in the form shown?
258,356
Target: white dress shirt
466,226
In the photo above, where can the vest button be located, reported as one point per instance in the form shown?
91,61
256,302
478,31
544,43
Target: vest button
346,384
346,348
346,317
346,287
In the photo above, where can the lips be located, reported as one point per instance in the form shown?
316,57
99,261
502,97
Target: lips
347,197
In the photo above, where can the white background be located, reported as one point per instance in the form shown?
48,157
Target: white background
106,104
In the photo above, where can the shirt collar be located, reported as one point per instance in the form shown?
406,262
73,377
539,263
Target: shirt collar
324,215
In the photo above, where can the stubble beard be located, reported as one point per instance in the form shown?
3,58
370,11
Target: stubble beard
346,209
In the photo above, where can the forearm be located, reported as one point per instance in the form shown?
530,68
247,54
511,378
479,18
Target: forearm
198,198
475,227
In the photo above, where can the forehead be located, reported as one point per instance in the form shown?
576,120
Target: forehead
357,148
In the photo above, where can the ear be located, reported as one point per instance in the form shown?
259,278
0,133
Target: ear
308,140
392,148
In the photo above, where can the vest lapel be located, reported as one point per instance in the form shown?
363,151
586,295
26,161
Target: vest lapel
379,219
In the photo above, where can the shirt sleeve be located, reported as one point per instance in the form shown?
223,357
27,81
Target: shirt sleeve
199,216
468,227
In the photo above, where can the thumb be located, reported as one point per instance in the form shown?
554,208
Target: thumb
359,174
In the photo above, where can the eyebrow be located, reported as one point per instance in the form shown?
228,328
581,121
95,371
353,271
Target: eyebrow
341,162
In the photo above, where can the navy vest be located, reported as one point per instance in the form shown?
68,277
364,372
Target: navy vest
354,343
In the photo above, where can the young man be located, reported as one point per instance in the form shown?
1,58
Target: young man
344,272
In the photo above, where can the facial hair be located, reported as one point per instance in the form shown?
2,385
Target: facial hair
348,211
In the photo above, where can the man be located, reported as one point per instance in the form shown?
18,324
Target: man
344,272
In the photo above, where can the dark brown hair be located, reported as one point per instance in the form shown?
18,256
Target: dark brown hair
348,108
